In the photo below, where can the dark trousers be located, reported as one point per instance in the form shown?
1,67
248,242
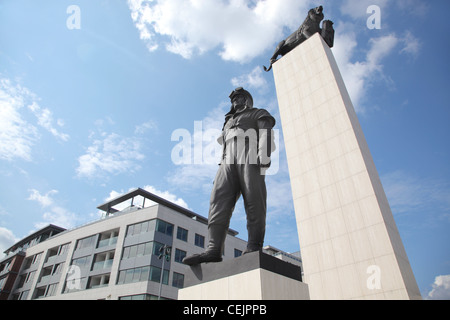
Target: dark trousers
231,181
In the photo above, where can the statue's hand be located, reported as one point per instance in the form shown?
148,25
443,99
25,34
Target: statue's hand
263,165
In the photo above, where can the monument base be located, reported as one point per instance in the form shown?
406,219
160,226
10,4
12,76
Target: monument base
254,276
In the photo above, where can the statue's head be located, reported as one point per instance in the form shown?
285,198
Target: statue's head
241,98
316,14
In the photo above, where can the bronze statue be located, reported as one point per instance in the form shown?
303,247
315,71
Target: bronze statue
310,26
247,140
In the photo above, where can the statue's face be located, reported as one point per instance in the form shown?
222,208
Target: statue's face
318,10
238,102
316,14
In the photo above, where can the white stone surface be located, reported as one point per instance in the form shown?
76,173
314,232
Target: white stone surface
344,221
257,284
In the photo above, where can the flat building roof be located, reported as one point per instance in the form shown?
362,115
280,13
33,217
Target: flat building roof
108,207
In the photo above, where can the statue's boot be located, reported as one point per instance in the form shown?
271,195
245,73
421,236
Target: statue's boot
207,256
255,238
213,253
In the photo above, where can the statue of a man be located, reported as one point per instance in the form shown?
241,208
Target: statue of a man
247,140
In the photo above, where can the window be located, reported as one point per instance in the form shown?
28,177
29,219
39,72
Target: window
182,234
199,240
53,253
73,283
103,260
58,268
51,290
46,273
39,292
179,255
142,274
82,262
164,227
21,281
155,275
27,263
140,297
108,238
45,291
134,275
86,242
36,258
98,281
24,295
63,249
139,250
4,267
142,227
30,276
237,253
178,280
157,247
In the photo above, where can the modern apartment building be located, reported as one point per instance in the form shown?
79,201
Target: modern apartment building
12,263
133,252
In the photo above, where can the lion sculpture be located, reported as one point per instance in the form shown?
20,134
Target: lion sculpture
310,26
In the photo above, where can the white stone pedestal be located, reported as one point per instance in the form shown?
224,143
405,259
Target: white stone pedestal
350,245
254,276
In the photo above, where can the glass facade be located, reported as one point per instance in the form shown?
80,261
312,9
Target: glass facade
124,255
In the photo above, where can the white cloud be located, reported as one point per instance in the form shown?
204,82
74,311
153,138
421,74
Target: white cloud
58,216
167,195
412,45
242,29
53,212
357,9
44,200
113,154
359,75
45,120
253,80
440,288
202,173
279,196
163,194
145,127
418,8
17,136
7,239
410,194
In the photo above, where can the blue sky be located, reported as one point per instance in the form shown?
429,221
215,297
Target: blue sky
87,113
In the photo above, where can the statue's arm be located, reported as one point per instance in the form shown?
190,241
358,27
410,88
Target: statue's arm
266,142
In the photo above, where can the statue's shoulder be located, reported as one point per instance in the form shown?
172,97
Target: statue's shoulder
260,114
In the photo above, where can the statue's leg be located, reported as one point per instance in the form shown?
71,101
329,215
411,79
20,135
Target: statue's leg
253,187
224,195
275,56
277,51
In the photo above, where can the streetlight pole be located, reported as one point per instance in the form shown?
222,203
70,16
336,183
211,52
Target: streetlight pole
165,254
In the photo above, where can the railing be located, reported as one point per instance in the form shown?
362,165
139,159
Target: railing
43,278
107,242
102,264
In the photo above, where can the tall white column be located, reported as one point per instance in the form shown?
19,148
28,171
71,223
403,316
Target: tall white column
350,244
